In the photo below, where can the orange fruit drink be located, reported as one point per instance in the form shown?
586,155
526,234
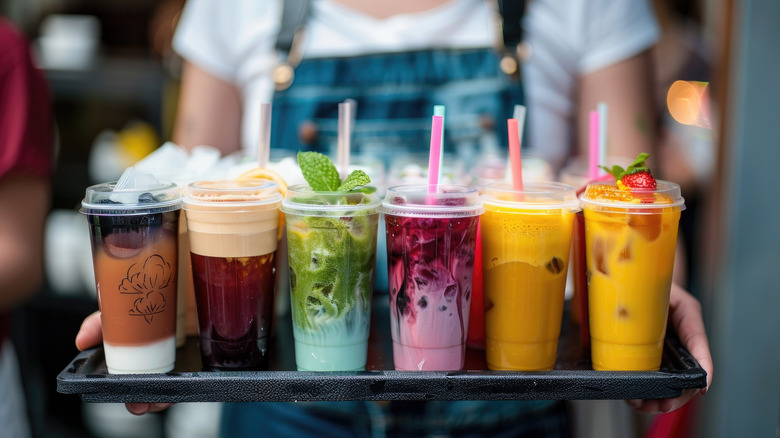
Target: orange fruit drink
630,237
526,241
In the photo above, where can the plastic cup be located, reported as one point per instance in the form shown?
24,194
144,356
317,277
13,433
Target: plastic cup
232,227
185,288
331,244
431,238
134,236
491,169
526,241
630,245
575,174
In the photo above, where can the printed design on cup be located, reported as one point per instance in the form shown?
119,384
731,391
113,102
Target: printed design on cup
148,281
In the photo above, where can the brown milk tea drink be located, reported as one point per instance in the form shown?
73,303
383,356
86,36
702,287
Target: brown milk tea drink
134,232
233,235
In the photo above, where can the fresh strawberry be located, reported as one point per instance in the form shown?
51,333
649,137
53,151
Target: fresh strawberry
635,178
641,179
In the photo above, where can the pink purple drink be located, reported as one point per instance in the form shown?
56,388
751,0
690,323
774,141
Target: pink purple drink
431,241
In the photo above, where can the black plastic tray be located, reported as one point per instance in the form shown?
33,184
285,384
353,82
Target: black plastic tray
572,379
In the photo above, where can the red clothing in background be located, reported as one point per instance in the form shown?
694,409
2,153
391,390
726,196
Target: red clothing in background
26,125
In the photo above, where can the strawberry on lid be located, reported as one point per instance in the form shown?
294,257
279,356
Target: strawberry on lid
636,176
634,185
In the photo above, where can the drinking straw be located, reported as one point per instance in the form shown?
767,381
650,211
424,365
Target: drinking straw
519,114
352,112
435,155
514,154
264,145
344,138
593,146
438,110
602,108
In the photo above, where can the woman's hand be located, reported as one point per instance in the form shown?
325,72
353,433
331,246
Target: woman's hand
685,315
91,335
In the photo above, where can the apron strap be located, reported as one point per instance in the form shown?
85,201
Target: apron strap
512,48
512,12
294,16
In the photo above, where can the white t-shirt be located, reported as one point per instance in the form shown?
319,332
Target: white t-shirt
235,41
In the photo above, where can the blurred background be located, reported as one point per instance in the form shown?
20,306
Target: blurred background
114,82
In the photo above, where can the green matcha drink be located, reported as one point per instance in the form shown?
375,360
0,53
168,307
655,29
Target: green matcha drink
331,240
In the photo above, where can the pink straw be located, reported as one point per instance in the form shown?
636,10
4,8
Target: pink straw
593,146
514,154
433,159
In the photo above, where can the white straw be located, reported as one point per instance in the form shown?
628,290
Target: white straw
264,145
344,138
602,109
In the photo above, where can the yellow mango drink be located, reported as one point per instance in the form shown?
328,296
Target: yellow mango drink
526,242
630,237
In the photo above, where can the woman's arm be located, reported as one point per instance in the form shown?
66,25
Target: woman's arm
24,201
685,315
209,112
627,88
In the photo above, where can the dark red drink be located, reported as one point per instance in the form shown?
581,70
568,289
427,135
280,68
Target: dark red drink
580,300
476,335
232,227
235,307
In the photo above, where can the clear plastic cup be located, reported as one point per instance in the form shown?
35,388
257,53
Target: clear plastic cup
331,244
631,238
233,237
134,234
526,241
431,242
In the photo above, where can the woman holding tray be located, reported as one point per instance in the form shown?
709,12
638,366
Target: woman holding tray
397,59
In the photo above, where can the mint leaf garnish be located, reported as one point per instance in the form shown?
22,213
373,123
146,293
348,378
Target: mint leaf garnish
319,172
640,160
615,171
637,166
322,176
367,190
355,179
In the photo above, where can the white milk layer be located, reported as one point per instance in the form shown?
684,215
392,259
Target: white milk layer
158,357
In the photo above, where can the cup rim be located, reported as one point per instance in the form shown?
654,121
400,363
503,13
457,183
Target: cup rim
243,188
541,195
668,188
171,201
439,191
290,206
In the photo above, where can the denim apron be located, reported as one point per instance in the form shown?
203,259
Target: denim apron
395,95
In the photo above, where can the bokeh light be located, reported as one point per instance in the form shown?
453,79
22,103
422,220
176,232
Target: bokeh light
688,103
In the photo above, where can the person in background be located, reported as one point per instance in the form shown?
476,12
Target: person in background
398,59
26,163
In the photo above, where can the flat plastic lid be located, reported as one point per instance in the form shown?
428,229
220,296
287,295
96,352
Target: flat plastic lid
444,200
104,200
534,196
231,193
608,195
302,200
